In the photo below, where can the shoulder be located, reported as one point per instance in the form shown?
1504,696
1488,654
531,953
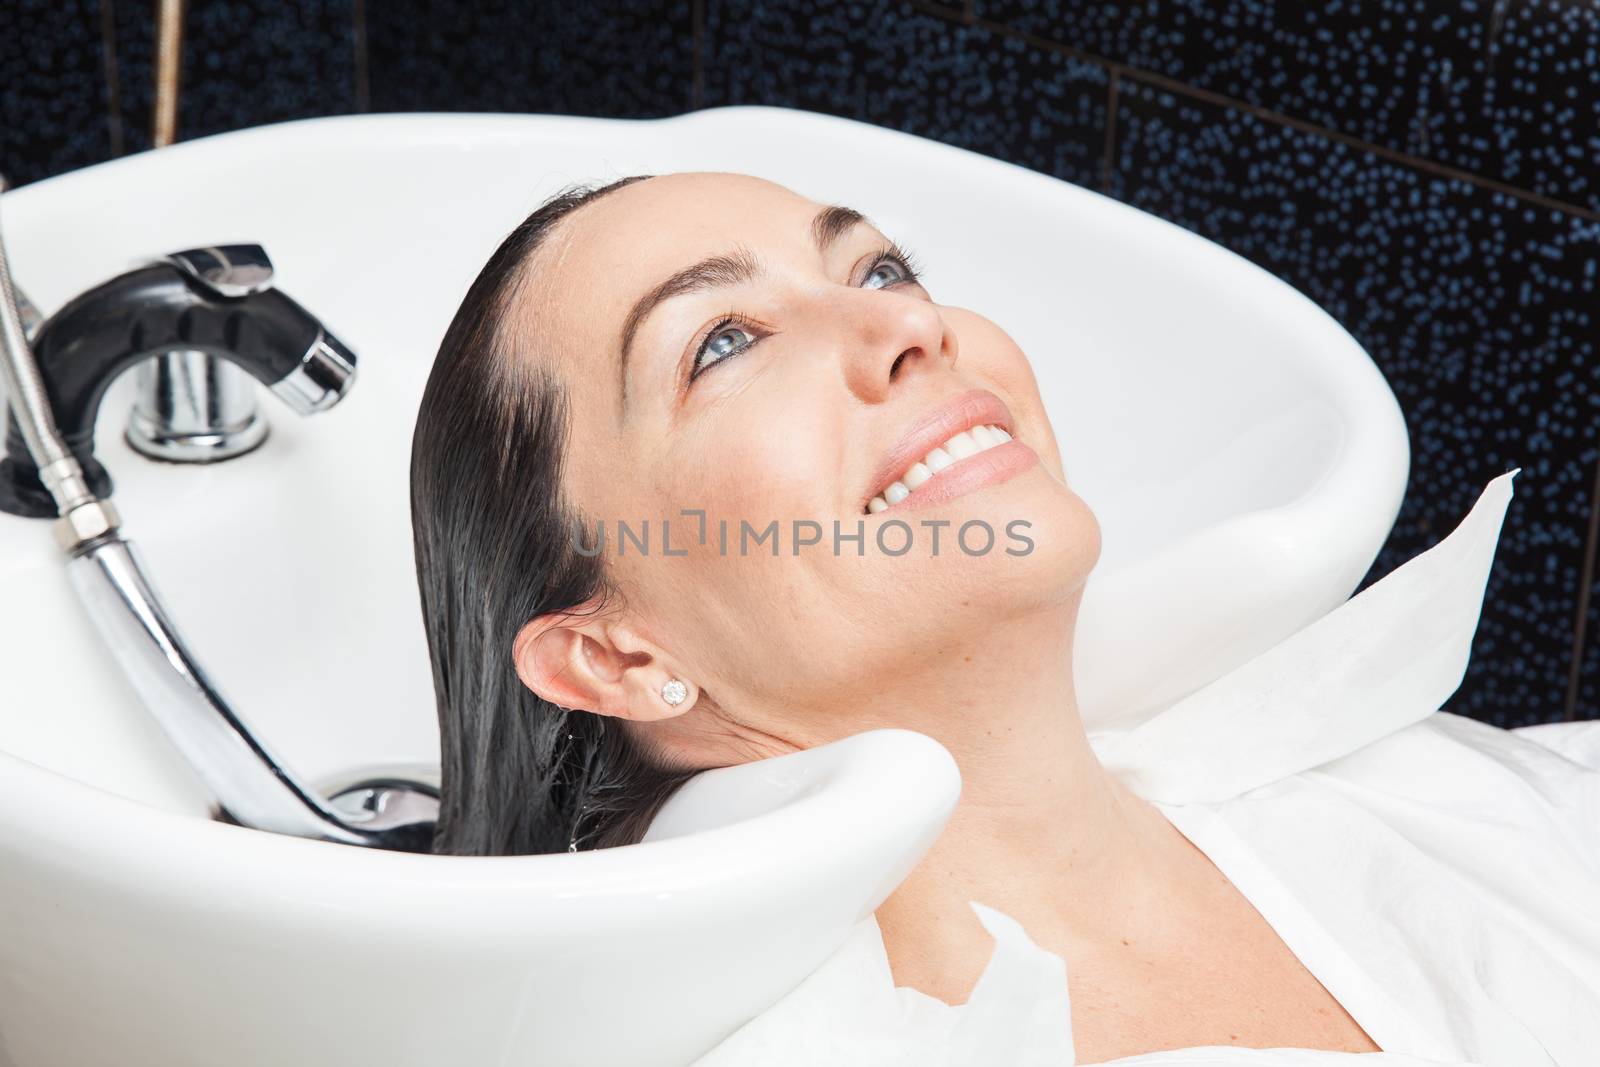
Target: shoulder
1535,788
1437,750
1577,741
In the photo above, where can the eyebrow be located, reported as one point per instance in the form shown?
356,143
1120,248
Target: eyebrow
721,271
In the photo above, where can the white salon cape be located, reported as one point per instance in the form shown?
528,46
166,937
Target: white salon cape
1439,876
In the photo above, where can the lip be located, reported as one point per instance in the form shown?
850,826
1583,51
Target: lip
976,407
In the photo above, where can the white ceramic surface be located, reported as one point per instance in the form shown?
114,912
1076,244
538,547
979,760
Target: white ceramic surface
1244,456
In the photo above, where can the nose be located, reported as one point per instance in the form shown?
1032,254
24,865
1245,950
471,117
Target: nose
889,339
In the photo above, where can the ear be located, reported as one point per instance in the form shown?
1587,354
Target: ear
585,661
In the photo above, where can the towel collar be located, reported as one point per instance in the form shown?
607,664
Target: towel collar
1384,659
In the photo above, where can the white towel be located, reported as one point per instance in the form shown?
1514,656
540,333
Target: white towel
1383,660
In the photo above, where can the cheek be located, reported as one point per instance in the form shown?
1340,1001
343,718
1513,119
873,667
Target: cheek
990,354
756,460
754,626
737,612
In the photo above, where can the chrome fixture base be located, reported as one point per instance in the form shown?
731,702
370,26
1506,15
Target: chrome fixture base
191,407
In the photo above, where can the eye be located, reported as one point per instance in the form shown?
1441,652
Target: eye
721,343
903,268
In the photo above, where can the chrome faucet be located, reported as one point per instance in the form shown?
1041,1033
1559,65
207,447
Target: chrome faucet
219,302
190,406
206,302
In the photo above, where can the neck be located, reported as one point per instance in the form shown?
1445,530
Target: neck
1042,832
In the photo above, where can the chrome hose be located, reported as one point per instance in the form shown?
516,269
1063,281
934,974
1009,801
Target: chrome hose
30,404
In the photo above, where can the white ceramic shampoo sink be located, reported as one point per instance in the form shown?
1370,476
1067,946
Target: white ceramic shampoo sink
1244,457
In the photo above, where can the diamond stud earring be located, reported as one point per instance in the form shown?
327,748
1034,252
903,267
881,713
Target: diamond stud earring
674,692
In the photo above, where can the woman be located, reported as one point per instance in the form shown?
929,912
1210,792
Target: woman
715,350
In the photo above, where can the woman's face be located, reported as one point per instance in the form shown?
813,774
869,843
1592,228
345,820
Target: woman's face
798,375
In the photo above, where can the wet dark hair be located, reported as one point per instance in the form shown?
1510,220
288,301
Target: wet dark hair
494,547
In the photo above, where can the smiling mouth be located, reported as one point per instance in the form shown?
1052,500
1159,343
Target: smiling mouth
959,446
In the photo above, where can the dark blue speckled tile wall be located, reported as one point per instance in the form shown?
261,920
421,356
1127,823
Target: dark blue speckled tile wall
1509,89
1481,312
900,66
245,63
54,114
1427,170
617,58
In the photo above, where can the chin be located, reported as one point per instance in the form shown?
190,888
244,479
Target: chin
1046,541
1065,546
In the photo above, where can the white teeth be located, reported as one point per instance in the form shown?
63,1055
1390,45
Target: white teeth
962,445
958,447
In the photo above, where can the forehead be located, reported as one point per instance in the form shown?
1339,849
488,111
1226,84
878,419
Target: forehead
670,217
600,259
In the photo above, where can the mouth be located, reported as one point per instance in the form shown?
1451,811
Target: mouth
959,445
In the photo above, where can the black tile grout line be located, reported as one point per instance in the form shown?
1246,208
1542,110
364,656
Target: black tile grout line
108,67
1173,85
1585,584
1428,166
1109,158
697,22
358,21
961,14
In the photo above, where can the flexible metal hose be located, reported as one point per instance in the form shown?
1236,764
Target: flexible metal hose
30,404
